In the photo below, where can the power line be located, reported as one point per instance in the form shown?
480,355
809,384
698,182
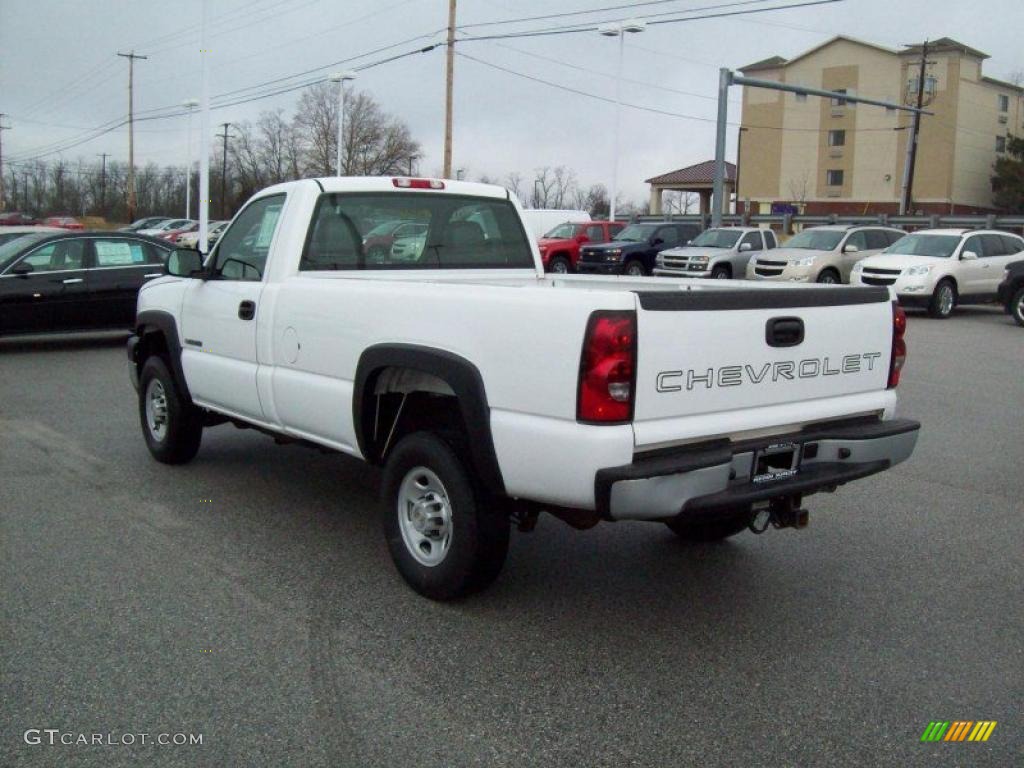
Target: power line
589,12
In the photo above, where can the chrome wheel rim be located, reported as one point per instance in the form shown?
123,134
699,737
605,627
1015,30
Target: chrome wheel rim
828,278
425,516
1020,307
635,270
721,275
156,410
945,300
559,267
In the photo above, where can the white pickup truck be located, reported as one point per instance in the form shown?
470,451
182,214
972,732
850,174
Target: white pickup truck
490,391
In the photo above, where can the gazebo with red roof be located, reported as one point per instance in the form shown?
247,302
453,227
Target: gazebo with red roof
699,178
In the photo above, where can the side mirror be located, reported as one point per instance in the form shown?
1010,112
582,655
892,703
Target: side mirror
23,269
968,256
745,247
184,262
851,248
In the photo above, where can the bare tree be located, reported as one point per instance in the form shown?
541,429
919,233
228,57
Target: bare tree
514,183
799,188
678,202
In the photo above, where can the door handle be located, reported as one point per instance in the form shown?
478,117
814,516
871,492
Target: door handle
247,310
72,281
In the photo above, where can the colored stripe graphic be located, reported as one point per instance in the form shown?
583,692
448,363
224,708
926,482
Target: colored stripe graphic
958,730
935,730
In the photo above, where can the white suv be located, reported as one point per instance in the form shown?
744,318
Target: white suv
822,254
940,268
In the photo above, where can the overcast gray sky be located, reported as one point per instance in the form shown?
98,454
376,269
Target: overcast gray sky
59,75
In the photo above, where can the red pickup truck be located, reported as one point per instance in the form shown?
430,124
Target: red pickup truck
560,248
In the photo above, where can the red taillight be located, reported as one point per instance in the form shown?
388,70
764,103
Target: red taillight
608,368
899,344
405,183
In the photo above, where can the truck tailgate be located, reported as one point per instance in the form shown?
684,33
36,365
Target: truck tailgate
727,361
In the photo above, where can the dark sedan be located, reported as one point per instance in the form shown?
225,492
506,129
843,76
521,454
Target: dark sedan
634,249
75,281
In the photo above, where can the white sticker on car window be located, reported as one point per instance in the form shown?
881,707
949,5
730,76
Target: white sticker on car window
113,254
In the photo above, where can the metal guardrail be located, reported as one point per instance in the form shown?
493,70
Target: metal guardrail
786,221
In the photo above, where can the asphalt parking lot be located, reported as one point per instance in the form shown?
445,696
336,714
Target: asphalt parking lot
249,597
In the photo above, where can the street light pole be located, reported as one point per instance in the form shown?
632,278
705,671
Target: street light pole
189,105
618,30
340,78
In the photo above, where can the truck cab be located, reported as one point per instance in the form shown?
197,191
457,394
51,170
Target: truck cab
720,253
560,248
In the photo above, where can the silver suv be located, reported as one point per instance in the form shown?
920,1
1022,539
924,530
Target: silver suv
720,253
822,254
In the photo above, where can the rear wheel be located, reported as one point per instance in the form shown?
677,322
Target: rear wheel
1017,306
559,265
716,529
172,426
721,272
443,536
829,277
635,268
943,300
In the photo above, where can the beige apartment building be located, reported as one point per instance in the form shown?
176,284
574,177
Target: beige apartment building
826,156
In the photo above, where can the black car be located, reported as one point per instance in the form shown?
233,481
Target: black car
634,249
1011,291
75,281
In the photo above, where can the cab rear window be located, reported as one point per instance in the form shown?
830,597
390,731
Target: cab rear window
432,231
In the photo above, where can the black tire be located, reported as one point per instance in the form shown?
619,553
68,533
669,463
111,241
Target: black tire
721,272
634,268
559,265
1017,306
477,531
830,277
716,529
937,307
178,441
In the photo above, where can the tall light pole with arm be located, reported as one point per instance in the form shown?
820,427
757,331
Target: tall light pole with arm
340,78
189,105
619,30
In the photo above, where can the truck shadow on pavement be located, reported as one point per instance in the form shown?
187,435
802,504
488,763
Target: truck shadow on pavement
24,344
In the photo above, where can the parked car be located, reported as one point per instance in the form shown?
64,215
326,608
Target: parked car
489,392
63,222
940,268
720,253
541,220
19,230
214,230
17,218
633,250
822,254
164,227
74,281
1011,291
147,223
560,248
378,241
173,235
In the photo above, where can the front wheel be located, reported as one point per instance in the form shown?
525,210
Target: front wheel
829,277
717,529
1017,306
943,300
635,269
443,538
172,426
720,273
559,266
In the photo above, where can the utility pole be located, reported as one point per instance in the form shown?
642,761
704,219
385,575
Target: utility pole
224,171
2,129
131,56
907,196
103,183
448,83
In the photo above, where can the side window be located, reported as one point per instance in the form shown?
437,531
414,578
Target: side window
242,251
858,239
615,228
769,239
63,254
595,233
894,236
669,236
1012,244
974,244
876,239
994,245
689,233
754,239
121,252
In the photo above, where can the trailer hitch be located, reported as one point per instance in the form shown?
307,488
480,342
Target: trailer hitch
780,512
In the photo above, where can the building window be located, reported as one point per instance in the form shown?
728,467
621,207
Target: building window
834,178
801,98
837,138
1004,102
1000,143
839,102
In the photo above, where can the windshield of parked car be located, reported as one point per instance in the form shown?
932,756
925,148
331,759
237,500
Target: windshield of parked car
459,232
815,240
636,233
563,231
382,230
716,238
939,246
15,246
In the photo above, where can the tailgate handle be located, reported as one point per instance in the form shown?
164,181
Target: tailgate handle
784,331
